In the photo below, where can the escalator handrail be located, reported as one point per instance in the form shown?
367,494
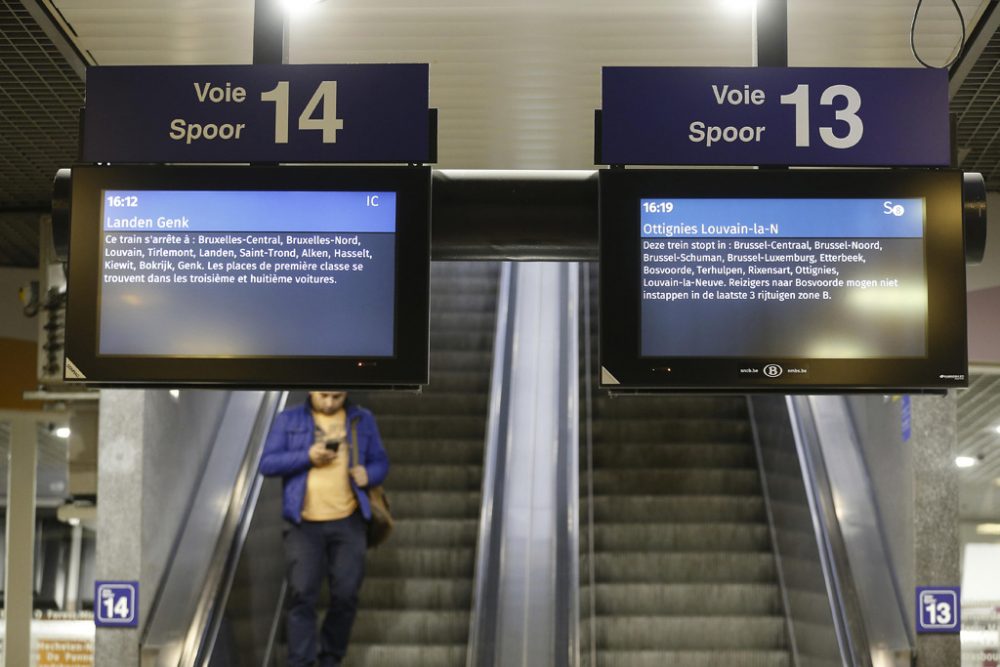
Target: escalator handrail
844,604
204,628
589,453
482,622
567,640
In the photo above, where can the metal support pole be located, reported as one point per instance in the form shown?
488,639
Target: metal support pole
73,577
270,33
772,33
20,546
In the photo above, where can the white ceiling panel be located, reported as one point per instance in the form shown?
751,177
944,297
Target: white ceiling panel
516,83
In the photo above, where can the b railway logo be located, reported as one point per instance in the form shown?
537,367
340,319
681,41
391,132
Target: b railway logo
773,370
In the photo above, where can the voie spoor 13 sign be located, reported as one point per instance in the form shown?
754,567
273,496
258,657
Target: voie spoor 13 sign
777,116
244,113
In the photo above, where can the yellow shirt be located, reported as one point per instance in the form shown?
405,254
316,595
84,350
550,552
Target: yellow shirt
329,495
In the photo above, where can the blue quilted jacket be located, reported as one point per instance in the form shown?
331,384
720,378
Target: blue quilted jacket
286,454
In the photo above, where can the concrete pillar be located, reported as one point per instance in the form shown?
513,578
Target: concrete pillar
119,515
936,529
20,539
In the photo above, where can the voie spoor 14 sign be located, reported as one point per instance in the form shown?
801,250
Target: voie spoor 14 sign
245,113
779,116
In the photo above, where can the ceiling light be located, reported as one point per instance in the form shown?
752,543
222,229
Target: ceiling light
295,6
73,521
965,461
997,428
62,432
988,529
175,393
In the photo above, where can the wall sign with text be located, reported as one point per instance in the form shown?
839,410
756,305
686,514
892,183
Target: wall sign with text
774,116
939,609
266,113
116,604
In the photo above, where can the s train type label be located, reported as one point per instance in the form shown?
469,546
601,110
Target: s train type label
244,113
774,116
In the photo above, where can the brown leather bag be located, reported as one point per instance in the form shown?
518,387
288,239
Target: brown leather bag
381,523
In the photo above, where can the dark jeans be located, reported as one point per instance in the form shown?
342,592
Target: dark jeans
312,549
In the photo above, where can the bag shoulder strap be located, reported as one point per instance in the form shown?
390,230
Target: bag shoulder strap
354,444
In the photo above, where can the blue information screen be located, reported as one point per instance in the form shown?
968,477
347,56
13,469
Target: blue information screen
808,278
247,273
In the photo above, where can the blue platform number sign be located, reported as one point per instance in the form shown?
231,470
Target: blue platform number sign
775,116
246,113
116,604
938,609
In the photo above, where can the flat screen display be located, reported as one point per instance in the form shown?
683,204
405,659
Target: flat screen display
278,276
725,280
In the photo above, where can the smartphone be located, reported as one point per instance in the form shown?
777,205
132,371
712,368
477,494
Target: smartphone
332,445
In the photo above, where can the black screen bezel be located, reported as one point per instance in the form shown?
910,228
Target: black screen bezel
623,366
408,367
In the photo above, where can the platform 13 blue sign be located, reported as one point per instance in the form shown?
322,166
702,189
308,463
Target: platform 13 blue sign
939,609
266,113
775,116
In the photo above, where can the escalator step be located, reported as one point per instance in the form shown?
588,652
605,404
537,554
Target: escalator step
676,482
459,380
460,359
689,659
697,509
430,477
411,627
462,321
682,537
638,633
440,403
696,407
678,599
691,430
423,655
431,594
417,426
457,451
421,563
435,533
461,340
460,301
708,567
435,504
671,455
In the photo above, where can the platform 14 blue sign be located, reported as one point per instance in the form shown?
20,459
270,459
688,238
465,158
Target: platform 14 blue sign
116,604
774,116
245,113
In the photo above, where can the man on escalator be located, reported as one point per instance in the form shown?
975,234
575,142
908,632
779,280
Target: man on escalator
326,510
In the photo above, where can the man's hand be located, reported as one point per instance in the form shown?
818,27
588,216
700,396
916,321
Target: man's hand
320,455
360,476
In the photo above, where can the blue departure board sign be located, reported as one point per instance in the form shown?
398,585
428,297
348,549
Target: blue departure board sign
774,116
174,261
827,278
249,276
244,113
782,280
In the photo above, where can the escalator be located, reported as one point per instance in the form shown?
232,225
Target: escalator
694,527
417,595
677,566
416,599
